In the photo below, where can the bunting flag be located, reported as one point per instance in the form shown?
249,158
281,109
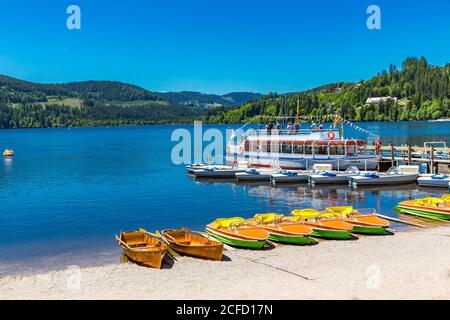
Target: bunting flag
335,122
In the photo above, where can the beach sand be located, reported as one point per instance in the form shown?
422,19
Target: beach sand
407,265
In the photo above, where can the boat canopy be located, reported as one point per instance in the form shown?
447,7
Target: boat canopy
228,222
340,210
305,213
268,217
429,201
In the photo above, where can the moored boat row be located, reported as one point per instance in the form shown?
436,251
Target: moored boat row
322,174
299,228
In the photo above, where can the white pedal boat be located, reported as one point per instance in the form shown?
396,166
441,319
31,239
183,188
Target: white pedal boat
434,180
333,177
395,175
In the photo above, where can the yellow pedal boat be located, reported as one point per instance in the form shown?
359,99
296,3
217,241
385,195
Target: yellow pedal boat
362,223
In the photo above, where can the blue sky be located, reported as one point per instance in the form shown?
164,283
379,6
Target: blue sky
218,46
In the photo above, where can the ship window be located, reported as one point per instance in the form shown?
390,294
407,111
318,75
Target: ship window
321,149
265,146
298,149
275,147
337,150
308,149
286,148
351,150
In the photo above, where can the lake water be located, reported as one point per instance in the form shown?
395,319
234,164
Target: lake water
67,192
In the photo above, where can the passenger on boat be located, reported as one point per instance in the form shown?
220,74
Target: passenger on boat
260,125
269,127
290,128
313,126
321,127
297,127
278,126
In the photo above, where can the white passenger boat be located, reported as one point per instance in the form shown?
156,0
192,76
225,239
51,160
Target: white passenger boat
333,177
218,172
395,175
434,180
301,149
254,174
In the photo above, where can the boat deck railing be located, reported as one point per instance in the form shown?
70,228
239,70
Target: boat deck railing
266,132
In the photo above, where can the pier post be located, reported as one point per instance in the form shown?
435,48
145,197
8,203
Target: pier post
432,160
392,154
409,154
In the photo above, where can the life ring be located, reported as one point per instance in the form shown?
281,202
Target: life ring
331,135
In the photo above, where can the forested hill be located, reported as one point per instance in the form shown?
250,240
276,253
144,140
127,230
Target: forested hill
198,99
417,91
31,105
25,104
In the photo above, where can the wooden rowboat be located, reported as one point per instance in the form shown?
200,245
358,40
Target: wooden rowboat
237,232
322,225
362,223
281,230
193,244
432,207
143,249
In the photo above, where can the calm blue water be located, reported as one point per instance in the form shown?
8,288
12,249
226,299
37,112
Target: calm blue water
68,191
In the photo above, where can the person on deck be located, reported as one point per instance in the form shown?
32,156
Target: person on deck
269,127
297,127
321,127
313,126
290,128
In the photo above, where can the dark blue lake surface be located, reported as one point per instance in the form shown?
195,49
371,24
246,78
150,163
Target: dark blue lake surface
67,192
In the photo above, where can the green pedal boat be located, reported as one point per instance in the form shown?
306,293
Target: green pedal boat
432,207
322,225
362,223
281,230
238,232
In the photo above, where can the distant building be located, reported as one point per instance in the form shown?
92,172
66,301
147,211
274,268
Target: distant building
375,100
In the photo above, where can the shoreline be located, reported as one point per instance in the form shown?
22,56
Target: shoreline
408,265
168,123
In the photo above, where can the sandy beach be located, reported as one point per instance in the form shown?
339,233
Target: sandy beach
407,265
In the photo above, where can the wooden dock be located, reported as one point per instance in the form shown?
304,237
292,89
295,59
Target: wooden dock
392,155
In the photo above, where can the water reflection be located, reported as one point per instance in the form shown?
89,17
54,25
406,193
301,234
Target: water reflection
284,198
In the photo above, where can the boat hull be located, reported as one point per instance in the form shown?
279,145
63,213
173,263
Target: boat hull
153,259
224,174
432,212
142,249
236,241
315,179
383,180
375,230
331,234
282,178
427,181
260,160
262,176
196,246
290,239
